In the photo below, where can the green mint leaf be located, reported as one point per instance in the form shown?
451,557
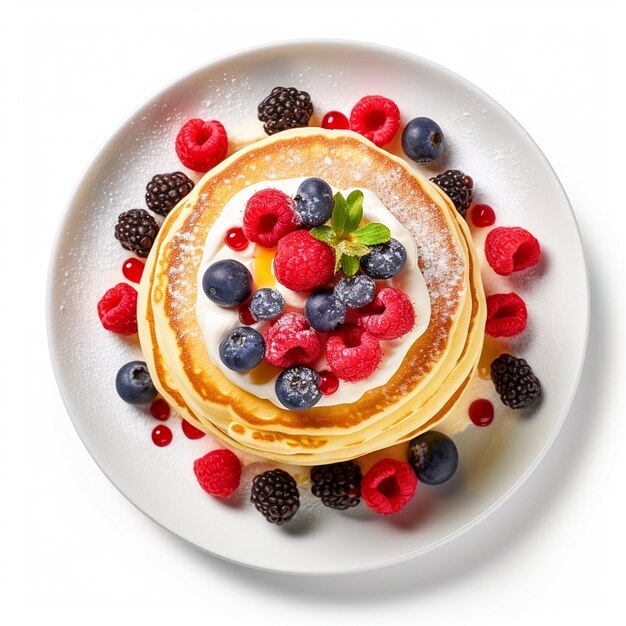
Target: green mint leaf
371,234
324,233
352,248
349,265
354,206
339,214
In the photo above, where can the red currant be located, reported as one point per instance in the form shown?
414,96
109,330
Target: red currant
245,315
483,215
481,412
236,240
160,409
162,436
191,432
133,269
335,120
329,383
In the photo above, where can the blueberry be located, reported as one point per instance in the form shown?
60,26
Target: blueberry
242,349
133,383
297,387
422,140
227,283
355,291
324,311
384,260
434,457
267,304
314,202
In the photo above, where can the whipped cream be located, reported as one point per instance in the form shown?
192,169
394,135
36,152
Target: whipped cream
215,321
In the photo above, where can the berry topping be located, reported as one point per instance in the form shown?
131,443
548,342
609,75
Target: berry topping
161,436
314,202
388,486
329,383
324,311
291,341
136,230
218,472
133,383
483,215
227,283
481,412
236,240
245,315
133,270
335,120
434,457
515,382
165,191
303,263
422,140
201,145
242,349
458,187
390,316
384,260
352,353
297,388
160,409
191,432
337,485
506,315
267,304
268,216
355,291
275,495
117,309
285,108
376,118
511,249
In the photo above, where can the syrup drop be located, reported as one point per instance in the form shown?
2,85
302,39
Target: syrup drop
191,432
335,120
245,315
133,269
162,436
492,349
160,409
329,383
481,412
263,275
236,240
483,215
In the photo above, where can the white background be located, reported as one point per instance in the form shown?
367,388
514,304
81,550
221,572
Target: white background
72,548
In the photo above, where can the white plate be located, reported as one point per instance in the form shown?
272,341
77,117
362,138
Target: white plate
510,173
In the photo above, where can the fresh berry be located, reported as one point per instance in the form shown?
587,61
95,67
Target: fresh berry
275,495
136,230
235,239
269,215
338,485
388,486
422,140
506,315
314,202
511,249
335,120
242,349
324,311
165,191
245,314
384,260
352,353
483,215
303,263
355,291
161,436
267,304
329,383
285,108
291,341
201,145
227,283
117,309
191,432
133,269
481,412
390,316
377,118
515,382
218,472
434,457
458,187
133,383
297,388
160,409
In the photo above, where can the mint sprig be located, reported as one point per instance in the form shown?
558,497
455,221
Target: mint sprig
345,235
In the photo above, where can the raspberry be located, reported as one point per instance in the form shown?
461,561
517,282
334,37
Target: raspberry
290,341
511,249
388,486
218,472
376,118
352,353
303,263
117,309
201,145
269,215
506,315
390,316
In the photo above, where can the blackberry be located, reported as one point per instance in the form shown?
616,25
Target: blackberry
136,230
337,485
515,382
285,108
275,495
165,191
458,187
